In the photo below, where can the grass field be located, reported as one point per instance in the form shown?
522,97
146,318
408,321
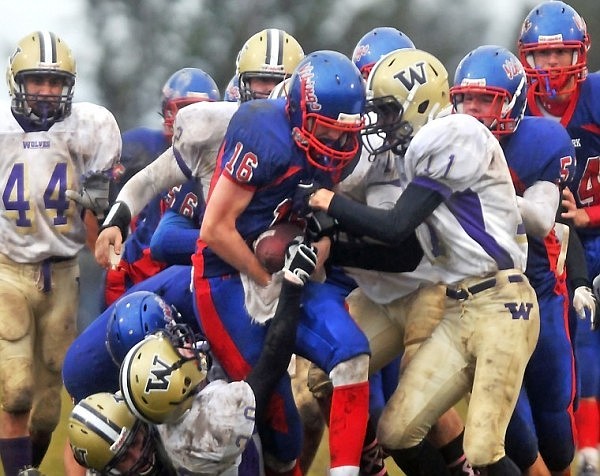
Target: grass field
53,466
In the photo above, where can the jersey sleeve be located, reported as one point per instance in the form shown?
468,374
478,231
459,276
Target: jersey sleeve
99,136
252,156
198,132
450,155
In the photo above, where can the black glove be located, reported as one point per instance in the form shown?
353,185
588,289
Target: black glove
301,197
320,224
300,262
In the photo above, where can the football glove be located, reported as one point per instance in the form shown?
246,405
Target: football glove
93,194
301,197
300,262
320,224
585,305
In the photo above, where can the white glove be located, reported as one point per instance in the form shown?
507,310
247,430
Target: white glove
584,304
94,193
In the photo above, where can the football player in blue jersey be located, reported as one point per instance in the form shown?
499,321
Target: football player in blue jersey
141,146
197,410
553,46
490,84
270,147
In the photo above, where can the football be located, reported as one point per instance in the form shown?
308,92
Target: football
271,245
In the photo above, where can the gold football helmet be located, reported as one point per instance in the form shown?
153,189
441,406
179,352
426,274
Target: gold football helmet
41,53
268,54
101,428
406,89
157,380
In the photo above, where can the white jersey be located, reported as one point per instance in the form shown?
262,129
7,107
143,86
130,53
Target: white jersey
478,228
198,132
212,435
376,182
37,220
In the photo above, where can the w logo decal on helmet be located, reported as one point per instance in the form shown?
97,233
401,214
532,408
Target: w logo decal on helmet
412,75
159,378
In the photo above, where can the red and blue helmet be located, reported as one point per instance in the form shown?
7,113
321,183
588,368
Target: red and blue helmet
232,90
184,87
377,43
550,25
134,316
327,92
495,71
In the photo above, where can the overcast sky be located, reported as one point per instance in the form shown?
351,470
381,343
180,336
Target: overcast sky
68,19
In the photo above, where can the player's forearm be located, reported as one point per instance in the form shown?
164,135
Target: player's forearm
538,207
228,244
278,347
160,175
389,226
174,240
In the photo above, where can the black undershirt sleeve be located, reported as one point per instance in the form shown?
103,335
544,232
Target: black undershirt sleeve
277,350
389,226
577,270
392,259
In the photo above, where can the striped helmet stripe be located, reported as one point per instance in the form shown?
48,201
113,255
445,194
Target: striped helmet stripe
274,47
94,420
47,47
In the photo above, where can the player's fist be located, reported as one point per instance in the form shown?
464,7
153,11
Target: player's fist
300,262
93,194
320,224
301,197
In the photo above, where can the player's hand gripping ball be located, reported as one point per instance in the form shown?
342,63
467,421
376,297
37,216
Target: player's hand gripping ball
271,245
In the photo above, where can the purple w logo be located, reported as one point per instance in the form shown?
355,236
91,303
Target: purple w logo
519,311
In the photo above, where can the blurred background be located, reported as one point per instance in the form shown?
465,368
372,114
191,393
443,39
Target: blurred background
126,49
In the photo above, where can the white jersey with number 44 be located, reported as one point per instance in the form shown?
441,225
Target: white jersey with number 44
37,220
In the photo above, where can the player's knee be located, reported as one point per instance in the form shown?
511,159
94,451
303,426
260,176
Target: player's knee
395,434
45,413
16,385
354,370
319,382
482,451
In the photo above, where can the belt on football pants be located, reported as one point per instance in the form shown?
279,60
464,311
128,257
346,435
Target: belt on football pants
460,294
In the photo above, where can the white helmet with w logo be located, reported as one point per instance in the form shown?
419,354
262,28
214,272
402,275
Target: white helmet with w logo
159,376
406,89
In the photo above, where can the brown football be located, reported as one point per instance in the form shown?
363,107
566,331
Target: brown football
271,245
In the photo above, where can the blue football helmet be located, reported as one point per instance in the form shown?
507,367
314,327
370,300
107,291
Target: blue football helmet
552,25
494,71
327,92
134,316
184,87
232,90
377,43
